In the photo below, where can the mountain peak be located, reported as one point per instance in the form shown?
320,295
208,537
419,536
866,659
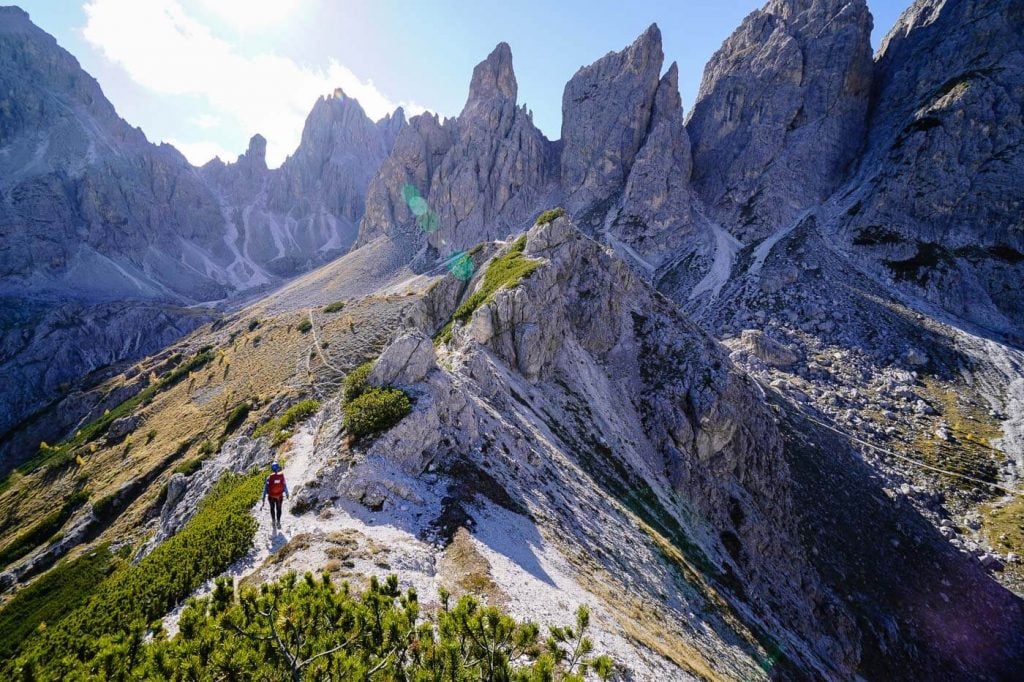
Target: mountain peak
11,14
493,80
256,152
606,108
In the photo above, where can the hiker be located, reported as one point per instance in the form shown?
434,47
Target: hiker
276,489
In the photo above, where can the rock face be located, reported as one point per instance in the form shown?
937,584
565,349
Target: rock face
937,206
481,175
606,111
87,204
583,396
238,455
406,361
781,112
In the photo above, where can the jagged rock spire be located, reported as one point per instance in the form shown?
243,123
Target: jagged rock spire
256,153
606,109
493,83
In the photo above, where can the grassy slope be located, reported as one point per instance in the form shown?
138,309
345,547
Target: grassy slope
273,360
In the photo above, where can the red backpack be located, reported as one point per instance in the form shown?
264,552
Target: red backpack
275,485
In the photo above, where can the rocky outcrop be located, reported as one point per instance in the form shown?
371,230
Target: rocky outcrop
479,176
184,493
405,362
626,164
592,402
417,153
781,112
937,205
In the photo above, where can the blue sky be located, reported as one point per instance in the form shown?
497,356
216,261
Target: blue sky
207,74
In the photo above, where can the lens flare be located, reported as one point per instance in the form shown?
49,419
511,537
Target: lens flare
409,192
428,221
418,206
461,265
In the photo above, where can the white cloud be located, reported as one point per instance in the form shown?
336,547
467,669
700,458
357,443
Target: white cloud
205,121
252,15
167,51
200,152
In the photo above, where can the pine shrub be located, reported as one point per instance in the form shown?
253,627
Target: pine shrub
78,644
356,381
550,216
308,628
281,428
374,410
56,593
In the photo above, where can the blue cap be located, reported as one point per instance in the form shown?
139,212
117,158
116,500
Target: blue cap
275,467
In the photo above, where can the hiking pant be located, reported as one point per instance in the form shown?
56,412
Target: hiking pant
275,509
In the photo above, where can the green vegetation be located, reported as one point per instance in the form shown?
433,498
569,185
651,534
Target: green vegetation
254,325
55,594
64,452
307,628
281,428
237,417
505,271
118,610
550,215
42,531
356,381
335,307
371,409
967,449
304,326
189,466
375,410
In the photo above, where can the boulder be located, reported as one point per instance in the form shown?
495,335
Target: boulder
405,362
768,350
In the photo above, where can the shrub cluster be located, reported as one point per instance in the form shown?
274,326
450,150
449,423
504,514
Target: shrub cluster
281,428
304,326
356,381
505,271
335,307
307,628
55,594
120,607
374,410
237,417
371,409
42,531
189,466
550,215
